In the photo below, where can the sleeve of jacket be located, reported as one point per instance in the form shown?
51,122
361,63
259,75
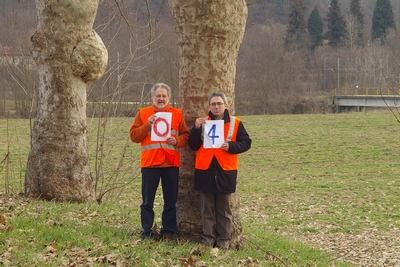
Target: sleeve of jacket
183,137
242,143
139,130
195,141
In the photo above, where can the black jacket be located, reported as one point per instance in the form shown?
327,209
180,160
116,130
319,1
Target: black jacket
215,179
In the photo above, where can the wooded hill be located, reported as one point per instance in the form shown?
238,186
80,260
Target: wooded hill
270,78
18,18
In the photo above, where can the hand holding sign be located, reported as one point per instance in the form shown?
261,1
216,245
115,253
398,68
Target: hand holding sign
161,128
213,133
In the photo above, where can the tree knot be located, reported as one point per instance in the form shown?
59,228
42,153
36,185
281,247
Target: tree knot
89,58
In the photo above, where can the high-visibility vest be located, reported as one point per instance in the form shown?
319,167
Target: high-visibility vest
154,153
227,160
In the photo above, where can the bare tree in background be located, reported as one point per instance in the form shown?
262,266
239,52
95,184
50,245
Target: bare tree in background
209,37
69,56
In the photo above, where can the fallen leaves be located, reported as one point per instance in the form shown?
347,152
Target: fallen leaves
214,252
191,261
4,224
196,253
51,249
371,247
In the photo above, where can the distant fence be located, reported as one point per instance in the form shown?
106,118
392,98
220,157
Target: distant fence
116,109
22,109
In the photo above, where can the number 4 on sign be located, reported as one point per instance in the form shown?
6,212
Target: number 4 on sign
213,133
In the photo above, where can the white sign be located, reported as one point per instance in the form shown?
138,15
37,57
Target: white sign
213,133
161,128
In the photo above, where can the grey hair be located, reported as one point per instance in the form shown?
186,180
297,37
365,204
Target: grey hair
160,85
220,94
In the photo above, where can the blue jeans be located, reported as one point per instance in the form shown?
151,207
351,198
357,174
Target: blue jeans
169,183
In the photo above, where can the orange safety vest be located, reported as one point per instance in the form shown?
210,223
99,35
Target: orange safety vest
154,153
228,161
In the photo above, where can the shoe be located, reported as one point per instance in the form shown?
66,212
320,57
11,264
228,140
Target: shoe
167,237
222,245
146,235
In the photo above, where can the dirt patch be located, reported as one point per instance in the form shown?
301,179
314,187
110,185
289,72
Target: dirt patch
369,248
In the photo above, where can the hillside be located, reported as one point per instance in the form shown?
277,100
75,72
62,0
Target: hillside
18,18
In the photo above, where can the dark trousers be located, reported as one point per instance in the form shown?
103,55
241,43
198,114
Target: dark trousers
169,183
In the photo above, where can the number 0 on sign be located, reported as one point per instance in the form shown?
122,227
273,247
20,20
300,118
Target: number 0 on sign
213,134
161,128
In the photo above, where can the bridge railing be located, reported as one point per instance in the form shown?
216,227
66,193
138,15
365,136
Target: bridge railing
367,91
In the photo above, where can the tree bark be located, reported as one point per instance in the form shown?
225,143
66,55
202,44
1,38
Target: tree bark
209,36
69,55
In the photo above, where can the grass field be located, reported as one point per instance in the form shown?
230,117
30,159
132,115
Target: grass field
316,190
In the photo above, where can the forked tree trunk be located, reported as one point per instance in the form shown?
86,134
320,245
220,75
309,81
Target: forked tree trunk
209,36
69,55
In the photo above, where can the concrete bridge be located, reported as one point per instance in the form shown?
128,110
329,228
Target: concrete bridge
359,102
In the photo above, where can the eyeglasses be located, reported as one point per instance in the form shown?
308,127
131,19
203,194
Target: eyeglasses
217,104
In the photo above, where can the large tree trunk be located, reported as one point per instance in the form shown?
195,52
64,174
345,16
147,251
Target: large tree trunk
69,55
209,36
